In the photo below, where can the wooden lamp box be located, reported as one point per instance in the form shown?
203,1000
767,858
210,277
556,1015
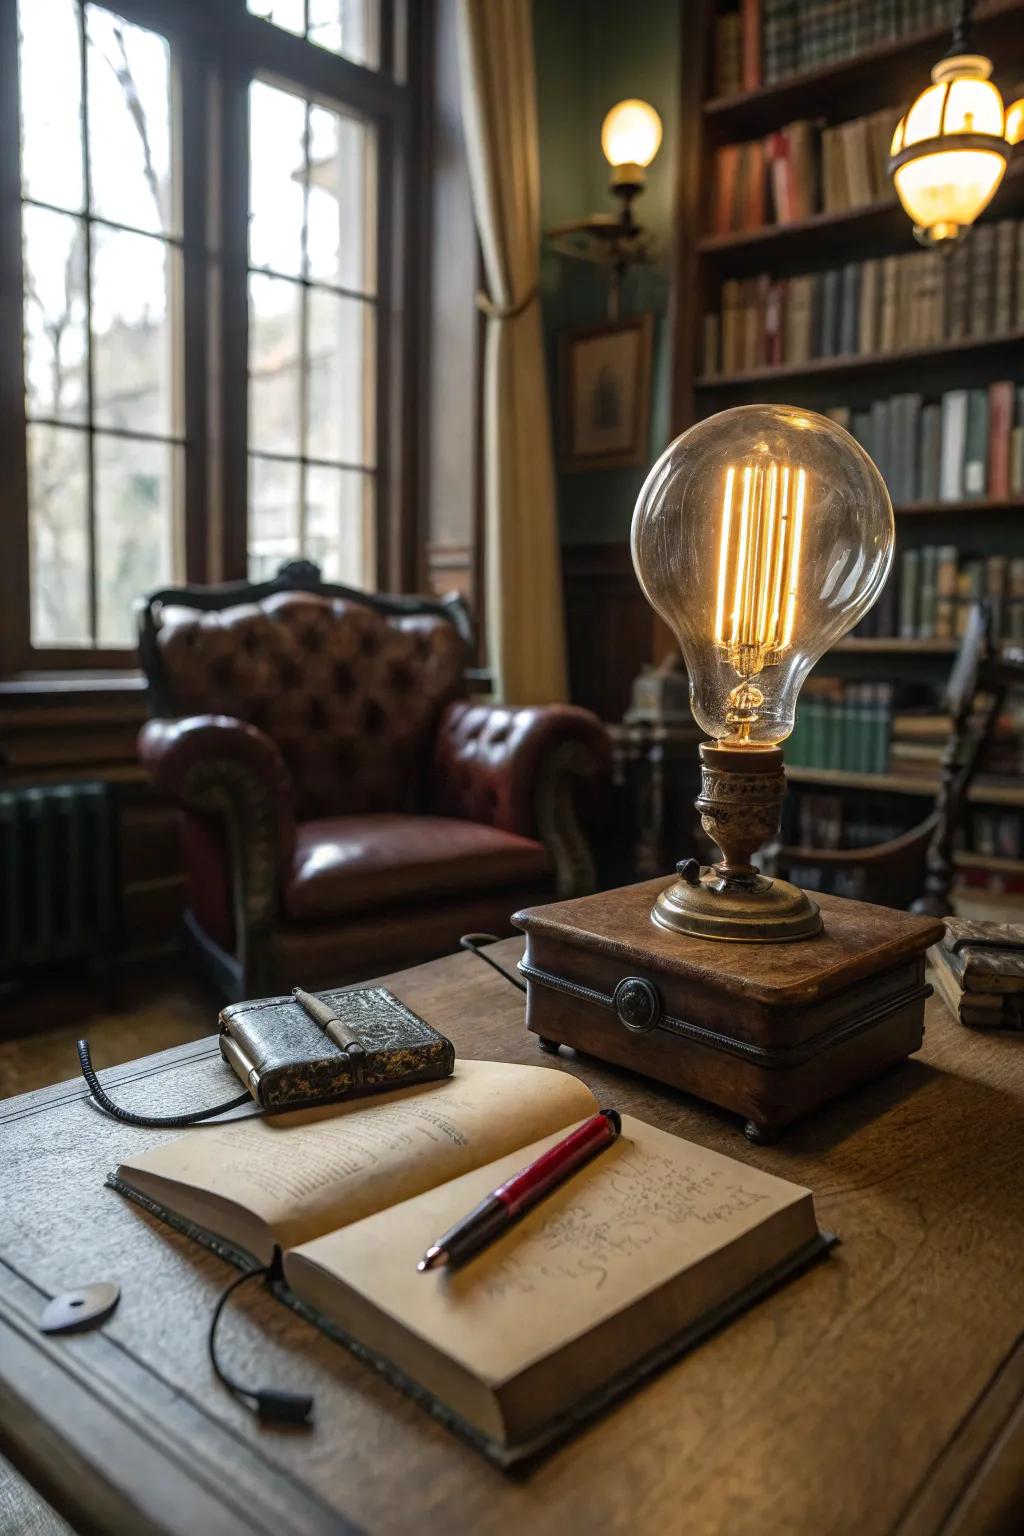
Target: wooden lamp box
768,1030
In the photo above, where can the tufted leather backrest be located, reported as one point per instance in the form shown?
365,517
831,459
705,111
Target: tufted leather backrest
350,695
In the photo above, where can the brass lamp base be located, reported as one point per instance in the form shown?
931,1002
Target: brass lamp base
740,804
766,912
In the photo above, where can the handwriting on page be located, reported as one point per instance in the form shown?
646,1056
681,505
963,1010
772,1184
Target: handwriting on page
638,1202
295,1163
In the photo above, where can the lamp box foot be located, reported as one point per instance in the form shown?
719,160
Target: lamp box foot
766,1030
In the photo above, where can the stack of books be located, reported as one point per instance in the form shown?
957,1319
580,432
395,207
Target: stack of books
967,445
979,972
801,169
882,305
842,725
918,738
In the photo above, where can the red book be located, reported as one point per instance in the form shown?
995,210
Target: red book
726,166
754,202
751,13
1000,420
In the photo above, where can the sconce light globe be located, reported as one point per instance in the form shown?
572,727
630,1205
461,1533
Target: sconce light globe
630,138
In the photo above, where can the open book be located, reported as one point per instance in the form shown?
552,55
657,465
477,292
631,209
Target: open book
647,1248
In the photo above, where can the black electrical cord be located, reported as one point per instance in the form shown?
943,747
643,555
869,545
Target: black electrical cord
268,1404
474,941
130,1118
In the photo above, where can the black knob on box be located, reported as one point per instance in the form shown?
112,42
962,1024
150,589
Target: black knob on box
638,1004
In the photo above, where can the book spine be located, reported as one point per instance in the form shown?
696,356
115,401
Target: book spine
751,30
954,435
945,592
931,451
1000,418
927,599
910,587
975,444
982,281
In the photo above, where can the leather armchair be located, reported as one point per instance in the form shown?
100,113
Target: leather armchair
345,809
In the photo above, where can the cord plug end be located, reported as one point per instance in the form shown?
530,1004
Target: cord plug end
283,1407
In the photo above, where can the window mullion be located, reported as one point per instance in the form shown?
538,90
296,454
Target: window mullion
90,436
304,330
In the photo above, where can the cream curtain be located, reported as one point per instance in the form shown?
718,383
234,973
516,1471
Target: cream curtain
525,630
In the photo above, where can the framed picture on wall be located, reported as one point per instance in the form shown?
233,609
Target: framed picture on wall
605,388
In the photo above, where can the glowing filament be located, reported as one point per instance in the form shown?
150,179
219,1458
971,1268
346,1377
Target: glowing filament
759,565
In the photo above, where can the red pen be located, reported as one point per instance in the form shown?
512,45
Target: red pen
496,1213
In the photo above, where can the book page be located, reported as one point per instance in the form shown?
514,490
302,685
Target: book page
650,1208
306,1173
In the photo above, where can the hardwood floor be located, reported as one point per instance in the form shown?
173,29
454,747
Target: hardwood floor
161,1004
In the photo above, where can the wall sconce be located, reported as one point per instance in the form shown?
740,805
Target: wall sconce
949,152
630,138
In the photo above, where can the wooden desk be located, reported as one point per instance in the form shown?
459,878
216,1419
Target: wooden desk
882,1391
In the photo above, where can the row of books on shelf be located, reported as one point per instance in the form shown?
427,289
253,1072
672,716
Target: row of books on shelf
996,834
856,727
967,445
812,820
860,820
763,41
802,169
883,305
930,592
833,821
843,726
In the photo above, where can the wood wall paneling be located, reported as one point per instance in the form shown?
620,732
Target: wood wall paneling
610,627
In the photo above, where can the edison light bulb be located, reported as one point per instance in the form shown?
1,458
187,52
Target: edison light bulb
760,536
630,138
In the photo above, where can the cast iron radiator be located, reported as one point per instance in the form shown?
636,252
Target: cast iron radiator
58,873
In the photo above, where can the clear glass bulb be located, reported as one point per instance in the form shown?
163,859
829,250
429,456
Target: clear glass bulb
760,536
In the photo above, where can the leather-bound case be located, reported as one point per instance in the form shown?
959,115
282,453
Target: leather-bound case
288,1061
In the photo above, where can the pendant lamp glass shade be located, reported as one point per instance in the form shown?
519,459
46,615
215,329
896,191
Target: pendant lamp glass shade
1015,122
949,153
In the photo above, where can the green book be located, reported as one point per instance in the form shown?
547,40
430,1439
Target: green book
815,733
882,723
910,589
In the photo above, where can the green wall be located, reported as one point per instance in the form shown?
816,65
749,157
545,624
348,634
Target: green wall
591,54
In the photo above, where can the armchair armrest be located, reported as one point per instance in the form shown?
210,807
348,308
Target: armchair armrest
231,781
206,762
529,771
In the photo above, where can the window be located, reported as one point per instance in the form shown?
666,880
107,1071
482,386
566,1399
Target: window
209,356
102,280
346,27
312,323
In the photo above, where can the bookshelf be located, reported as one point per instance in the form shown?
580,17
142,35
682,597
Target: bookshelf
892,365
1008,792
983,524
